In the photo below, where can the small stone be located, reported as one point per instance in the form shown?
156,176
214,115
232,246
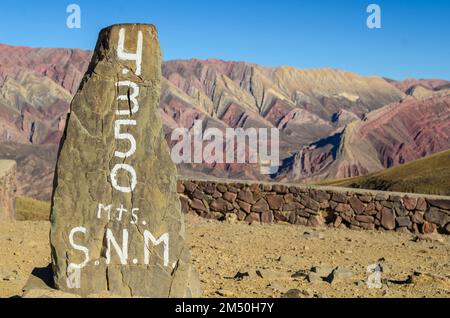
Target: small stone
367,226
246,196
395,198
299,220
370,209
190,186
333,205
221,205
288,198
308,202
199,195
400,209
365,218
216,194
387,219
403,221
356,205
440,203
314,278
291,206
287,259
437,216
316,221
322,270
339,197
253,218
365,198
387,204
341,207
337,221
241,215
279,188
184,204
418,217
421,204
320,196
340,274
180,187
210,188
260,206
428,228
293,293
240,275
382,197
246,207
222,188
267,217
275,201
198,205
229,196
410,203
224,293
278,287
313,235
255,188
301,273
265,273
8,277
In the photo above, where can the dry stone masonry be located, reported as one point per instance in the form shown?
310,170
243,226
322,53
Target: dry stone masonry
315,206
117,225
8,188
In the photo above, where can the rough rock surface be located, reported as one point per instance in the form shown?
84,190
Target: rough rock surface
317,206
117,225
8,188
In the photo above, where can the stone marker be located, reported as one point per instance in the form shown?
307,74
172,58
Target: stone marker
117,225
8,188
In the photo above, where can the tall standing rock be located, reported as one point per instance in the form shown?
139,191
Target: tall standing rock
117,225
8,188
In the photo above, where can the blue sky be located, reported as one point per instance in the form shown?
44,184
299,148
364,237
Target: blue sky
414,40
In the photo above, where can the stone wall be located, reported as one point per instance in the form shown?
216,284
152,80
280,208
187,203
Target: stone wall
8,186
315,206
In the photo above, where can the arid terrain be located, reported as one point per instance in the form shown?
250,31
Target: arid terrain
333,123
336,128
220,250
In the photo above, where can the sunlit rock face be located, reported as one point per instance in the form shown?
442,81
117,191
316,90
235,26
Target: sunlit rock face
117,224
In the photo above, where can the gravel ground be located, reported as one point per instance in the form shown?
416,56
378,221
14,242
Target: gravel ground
271,259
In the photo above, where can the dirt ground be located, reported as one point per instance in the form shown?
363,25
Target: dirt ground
220,250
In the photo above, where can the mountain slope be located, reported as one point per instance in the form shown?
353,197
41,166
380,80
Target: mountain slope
426,175
332,123
390,136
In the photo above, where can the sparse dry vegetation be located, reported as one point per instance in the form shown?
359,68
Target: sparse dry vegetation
429,175
28,209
